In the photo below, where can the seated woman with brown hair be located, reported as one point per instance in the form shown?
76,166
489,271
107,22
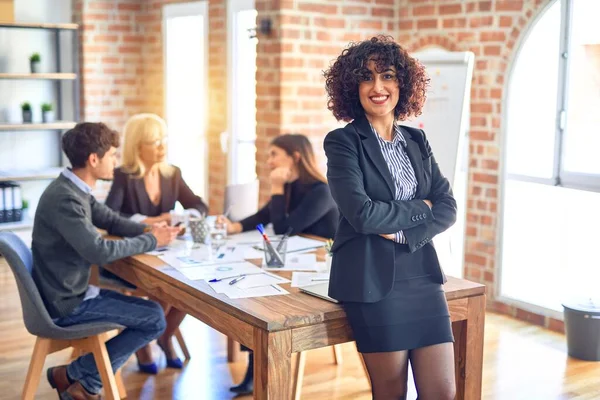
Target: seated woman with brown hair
300,203
146,188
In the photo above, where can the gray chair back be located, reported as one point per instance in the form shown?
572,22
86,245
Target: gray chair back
36,317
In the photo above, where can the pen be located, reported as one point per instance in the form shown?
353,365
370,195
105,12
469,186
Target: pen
284,238
233,276
276,288
319,279
236,280
274,254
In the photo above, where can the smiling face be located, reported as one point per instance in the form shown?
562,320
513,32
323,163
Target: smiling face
379,91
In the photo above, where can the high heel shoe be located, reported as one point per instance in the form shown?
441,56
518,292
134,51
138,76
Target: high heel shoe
247,385
151,369
175,363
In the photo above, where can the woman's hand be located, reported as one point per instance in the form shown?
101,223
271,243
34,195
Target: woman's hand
388,236
279,177
232,227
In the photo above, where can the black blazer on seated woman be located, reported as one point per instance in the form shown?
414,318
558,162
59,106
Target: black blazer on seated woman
128,194
305,207
362,186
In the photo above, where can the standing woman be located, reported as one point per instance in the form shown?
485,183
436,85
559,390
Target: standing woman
145,188
393,200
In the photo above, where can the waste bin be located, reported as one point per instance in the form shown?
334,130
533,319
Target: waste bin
582,326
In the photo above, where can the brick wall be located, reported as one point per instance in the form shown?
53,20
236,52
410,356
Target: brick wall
111,60
307,36
122,70
491,30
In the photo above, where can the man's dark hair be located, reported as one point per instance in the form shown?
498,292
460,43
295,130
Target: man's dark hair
87,138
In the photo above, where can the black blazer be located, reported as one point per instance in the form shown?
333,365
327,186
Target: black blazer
362,186
128,195
304,207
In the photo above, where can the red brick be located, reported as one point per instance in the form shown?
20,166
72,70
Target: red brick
475,259
450,9
424,11
505,21
555,325
330,22
454,23
489,36
375,25
354,10
130,7
485,178
382,12
480,21
318,8
485,6
427,24
481,135
406,25
492,50
509,5
490,164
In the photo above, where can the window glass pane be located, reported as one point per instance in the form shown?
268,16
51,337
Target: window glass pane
246,160
582,140
548,257
532,103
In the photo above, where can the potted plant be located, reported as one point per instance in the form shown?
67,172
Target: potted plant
328,255
34,62
47,113
26,108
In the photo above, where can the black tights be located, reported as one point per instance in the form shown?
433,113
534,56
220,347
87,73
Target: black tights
432,367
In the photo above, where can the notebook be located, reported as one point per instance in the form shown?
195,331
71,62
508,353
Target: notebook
319,290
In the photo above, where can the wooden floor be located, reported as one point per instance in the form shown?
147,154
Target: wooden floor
521,362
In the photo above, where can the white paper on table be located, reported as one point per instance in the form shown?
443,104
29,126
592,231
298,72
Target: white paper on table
264,279
252,237
177,246
300,279
220,271
234,292
299,244
297,262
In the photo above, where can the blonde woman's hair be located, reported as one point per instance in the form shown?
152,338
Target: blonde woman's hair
141,128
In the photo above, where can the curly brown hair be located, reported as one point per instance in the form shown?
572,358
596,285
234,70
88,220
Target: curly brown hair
88,138
350,69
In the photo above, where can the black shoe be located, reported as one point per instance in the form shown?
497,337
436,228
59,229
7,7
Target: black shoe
247,385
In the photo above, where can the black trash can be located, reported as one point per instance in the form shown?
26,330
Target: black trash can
582,326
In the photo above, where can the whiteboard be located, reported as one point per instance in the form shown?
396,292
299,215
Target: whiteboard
445,120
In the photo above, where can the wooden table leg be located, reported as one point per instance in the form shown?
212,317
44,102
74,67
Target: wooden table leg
272,365
234,354
468,351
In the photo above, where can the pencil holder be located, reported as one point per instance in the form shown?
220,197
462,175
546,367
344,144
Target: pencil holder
271,259
199,229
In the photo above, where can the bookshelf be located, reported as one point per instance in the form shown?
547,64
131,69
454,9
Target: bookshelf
64,77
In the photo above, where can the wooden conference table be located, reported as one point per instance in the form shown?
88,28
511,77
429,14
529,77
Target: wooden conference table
277,326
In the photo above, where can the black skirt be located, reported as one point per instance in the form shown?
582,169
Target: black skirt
415,314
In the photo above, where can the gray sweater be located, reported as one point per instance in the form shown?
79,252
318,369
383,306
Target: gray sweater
66,243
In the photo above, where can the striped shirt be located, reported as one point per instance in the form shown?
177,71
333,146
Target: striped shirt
400,168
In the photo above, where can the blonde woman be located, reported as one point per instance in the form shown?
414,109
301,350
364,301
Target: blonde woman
145,189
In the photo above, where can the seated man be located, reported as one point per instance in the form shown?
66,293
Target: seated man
66,243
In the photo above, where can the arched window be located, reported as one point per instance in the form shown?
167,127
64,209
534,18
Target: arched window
551,206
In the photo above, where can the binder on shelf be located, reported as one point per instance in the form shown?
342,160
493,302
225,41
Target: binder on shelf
17,202
8,202
2,202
